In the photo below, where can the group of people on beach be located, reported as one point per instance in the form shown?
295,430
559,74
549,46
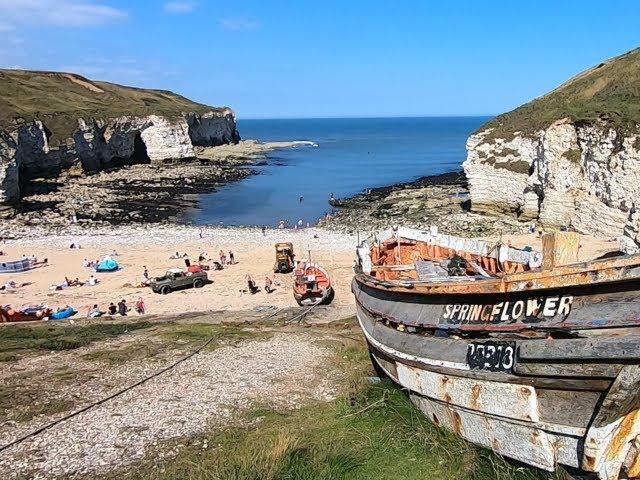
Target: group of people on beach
76,282
253,288
121,309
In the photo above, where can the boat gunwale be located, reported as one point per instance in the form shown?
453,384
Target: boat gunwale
513,282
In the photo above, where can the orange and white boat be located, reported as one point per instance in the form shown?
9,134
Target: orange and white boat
312,285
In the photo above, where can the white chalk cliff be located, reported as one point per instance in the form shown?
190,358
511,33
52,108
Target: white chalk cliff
584,175
95,142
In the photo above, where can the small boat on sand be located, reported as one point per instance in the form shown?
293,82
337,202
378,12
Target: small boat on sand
311,284
531,354
24,314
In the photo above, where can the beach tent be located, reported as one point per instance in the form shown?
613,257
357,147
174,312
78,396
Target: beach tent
107,264
15,267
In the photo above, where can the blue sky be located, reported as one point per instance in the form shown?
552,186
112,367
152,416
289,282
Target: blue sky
273,59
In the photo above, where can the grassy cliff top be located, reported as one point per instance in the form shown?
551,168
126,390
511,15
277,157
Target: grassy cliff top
58,99
610,91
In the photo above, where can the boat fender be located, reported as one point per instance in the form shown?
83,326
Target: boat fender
535,260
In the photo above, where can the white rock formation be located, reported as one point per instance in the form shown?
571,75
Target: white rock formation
585,177
105,143
167,139
212,128
9,179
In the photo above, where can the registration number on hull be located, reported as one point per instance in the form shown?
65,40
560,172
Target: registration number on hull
492,356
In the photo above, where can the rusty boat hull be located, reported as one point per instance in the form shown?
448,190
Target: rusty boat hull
540,366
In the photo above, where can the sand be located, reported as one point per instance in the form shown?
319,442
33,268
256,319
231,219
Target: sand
152,246
137,247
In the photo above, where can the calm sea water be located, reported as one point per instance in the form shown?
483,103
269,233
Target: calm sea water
352,155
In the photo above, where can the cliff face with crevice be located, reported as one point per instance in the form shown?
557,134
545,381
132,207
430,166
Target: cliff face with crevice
581,170
148,126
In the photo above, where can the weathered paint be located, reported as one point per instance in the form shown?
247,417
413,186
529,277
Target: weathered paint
526,413
494,415
571,308
523,442
633,470
504,399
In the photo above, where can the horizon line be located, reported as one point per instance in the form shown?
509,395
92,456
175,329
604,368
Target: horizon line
363,117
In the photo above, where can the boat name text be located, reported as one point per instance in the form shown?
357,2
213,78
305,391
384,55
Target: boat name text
509,311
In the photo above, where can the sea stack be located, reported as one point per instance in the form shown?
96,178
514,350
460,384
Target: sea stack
570,158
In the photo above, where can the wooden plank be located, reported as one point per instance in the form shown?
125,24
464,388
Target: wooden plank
448,356
559,248
590,370
575,308
567,407
521,441
606,349
508,400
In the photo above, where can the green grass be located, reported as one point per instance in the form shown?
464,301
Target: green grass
609,91
172,334
222,333
376,433
58,101
18,340
370,432
574,155
121,355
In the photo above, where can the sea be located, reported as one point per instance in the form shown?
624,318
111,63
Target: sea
350,155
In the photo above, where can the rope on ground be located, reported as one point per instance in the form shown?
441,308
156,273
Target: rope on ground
119,392
303,314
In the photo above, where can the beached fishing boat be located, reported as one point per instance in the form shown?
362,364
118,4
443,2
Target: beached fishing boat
28,313
17,266
311,284
531,354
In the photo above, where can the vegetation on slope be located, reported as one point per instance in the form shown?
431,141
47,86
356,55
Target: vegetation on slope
19,340
375,433
609,91
369,431
58,99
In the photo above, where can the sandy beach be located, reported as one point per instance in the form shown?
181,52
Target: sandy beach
139,247
152,247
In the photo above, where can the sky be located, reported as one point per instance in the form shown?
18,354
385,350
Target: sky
300,59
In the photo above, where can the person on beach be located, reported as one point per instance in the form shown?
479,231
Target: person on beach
122,307
268,283
145,275
223,257
92,281
201,233
94,312
140,307
251,285
264,231
112,309
232,258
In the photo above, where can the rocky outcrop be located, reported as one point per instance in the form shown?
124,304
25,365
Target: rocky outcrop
99,143
585,177
213,128
9,178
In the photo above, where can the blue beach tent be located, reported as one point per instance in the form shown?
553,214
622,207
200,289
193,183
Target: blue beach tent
107,265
